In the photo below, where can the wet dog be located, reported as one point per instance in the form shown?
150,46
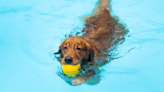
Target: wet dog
101,34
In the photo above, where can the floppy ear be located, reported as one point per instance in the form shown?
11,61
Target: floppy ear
91,53
59,52
91,56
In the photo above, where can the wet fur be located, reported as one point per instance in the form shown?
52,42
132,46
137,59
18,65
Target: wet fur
101,33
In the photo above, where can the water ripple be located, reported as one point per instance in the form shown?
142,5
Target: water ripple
4,10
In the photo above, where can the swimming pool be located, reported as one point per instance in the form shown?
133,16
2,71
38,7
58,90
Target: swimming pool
30,31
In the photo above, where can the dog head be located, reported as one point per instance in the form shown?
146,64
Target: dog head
75,50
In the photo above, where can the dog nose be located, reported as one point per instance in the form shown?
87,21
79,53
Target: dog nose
68,59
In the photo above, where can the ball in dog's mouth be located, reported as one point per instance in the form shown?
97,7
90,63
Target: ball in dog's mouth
71,70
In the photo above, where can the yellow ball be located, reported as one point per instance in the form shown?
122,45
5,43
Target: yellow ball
71,70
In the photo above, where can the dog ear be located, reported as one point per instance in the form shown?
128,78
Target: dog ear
91,56
59,52
91,53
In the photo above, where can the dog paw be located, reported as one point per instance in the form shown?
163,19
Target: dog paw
79,80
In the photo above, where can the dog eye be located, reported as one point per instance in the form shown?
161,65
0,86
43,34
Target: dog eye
65,47
78,48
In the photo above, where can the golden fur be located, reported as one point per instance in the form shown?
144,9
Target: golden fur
101,33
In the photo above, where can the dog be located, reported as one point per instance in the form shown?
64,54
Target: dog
101,35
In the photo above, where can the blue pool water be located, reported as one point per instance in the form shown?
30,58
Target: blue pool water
30,31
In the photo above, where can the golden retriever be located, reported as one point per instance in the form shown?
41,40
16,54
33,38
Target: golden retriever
101,34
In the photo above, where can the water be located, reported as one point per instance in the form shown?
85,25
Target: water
31,30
